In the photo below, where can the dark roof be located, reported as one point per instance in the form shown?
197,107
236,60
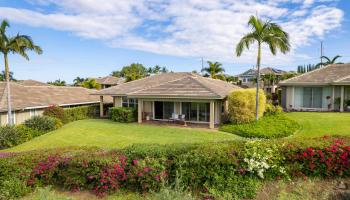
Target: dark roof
24,97
266,70
336,74
172,85
109,80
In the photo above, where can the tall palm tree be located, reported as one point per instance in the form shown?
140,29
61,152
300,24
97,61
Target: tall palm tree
78,81
214,70
328,61
263,32
18,44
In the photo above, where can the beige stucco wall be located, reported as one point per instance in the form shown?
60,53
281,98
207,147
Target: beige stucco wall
177,107
148,108
19,116
117,101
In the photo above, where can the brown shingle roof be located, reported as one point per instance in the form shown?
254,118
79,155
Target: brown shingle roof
109,80
23,97
172,85
328,75
32,83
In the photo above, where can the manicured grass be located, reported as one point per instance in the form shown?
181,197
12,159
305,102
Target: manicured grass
274,126
107,134
319,124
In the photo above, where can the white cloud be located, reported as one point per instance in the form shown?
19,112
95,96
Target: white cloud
182,27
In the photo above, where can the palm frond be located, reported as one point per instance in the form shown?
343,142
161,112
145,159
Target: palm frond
245,43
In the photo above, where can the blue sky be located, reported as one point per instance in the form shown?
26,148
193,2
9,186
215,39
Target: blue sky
91,39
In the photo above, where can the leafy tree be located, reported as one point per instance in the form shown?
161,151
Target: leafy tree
231,79
117,74
133,72
329,61
18,44
3,76
78,81
57,82
269,79
91,84
263,32
214,70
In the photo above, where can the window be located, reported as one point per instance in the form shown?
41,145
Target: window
163,110
312,97
32,112
196,111
129,102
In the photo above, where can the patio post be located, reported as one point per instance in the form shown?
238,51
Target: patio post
333,97
101,106
212,115
139,111
342,99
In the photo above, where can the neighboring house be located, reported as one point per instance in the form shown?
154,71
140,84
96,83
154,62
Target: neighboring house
29,98
109,81
248,78
164,96
324,89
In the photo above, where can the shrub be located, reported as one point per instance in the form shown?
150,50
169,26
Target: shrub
55,112
80,113
43,124
271,126
13,135
122,114
273,110
241,105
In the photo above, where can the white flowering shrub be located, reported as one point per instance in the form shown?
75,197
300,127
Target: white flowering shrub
262,160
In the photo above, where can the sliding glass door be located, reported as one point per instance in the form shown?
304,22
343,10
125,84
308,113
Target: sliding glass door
163,110
312,97
196,112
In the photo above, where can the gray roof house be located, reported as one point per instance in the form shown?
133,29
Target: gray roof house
166,96
246,79
324,89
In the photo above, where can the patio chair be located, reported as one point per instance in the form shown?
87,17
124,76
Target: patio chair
174,117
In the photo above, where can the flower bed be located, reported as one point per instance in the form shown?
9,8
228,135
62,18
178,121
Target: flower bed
216,170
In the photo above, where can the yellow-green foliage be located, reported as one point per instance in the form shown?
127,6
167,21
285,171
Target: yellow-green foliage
242,103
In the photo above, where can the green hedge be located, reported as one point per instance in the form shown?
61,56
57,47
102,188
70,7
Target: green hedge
122,114
269,126
226,170
81,112
241,105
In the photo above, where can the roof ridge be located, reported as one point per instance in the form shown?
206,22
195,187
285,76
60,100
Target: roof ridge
307,73
146,88
204,85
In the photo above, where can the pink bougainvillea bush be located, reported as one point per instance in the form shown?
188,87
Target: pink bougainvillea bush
229,169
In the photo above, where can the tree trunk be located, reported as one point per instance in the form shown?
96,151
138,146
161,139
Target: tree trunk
7,74
258,83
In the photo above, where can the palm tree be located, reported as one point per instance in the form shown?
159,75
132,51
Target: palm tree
78,81
214,70
328,61
18,44
263,32
57,82
3,76
91,84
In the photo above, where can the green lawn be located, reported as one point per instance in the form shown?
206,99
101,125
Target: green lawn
108,134
320,124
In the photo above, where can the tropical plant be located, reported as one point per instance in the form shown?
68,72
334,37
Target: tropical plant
78,81
133,72
57,82
117,74
91,84
269,79
18,44
263,32
329,61
3,76
214,70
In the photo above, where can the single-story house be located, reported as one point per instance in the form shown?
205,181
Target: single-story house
164,96
29,98
324,89
109,81
248,78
